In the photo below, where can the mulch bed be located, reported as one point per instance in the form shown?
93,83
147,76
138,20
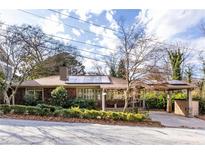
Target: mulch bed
146,123
201,117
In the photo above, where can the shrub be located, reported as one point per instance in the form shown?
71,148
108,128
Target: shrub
91,114
83,103
74,112
5,109
202,106
32,110
18,109
58,113
49,107
59,96
156,100
30,99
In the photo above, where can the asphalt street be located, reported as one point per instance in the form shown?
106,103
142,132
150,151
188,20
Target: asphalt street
41,132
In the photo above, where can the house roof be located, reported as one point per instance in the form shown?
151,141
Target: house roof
116,83
52,81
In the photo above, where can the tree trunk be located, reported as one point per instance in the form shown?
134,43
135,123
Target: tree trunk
126,100
6,98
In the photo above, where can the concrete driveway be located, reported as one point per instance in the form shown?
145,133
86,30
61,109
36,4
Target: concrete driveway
172,120
40,132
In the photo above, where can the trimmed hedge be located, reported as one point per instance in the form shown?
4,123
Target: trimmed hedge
74,112
83,103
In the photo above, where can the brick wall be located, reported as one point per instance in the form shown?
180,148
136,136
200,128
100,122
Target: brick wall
47,93
19,97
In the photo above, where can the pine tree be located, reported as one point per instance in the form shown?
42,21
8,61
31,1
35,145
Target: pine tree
121,69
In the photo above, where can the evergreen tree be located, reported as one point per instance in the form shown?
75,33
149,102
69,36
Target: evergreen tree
50,66
113,71
121,69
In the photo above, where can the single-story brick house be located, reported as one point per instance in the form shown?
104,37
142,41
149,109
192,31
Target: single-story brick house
106,90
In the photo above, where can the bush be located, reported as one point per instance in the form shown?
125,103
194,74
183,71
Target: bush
82,103
91,114
59,96
5,109
30,99
18,109
155,103
31,110
49,107
202,106
74,112
155,100
159,100
59,113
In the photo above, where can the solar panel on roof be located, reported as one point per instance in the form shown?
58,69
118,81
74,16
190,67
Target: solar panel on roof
88,79
177,82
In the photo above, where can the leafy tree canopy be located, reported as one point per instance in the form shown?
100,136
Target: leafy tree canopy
50,66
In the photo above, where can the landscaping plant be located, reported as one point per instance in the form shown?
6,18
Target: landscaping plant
73,112
59,96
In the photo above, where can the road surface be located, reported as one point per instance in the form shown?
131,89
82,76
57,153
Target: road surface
41,132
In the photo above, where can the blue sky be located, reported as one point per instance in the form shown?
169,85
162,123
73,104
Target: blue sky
166,25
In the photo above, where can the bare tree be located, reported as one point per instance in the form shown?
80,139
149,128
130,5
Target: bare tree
189,72
23,48
97,69
136,48
111,63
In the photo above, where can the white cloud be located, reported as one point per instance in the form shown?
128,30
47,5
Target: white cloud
76,32
112,21
67,36
167,23
85,14
105,37
51,27
64,13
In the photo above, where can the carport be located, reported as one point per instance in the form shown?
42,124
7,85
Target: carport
169,87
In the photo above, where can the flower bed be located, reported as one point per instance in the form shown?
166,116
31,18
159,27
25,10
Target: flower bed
43,110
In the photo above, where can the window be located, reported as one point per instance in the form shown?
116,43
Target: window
89,93
115,94
38,93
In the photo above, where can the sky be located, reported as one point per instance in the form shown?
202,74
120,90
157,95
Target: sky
169,26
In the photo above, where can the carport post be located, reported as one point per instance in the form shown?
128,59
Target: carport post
143,102
169,102
103,99
189,96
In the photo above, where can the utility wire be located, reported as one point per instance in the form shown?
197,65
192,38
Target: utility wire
81,42
192,49
79,19
74,54
74,48
70,26
63,38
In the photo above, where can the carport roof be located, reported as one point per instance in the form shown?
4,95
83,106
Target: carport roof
168,85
